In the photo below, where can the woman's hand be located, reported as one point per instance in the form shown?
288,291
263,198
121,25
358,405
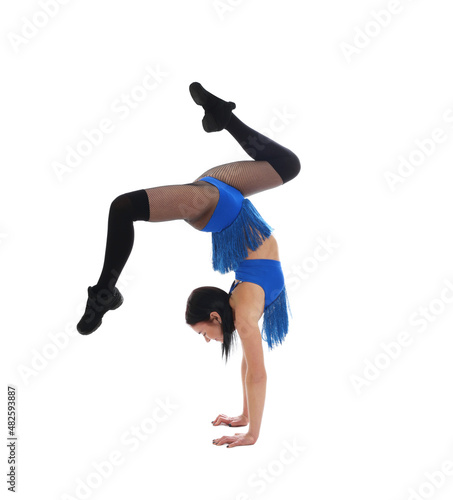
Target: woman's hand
236,440
231,421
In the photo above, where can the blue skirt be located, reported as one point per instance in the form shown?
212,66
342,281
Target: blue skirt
236,227
231,245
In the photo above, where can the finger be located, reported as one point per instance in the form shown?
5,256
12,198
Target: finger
216,419
223,440
221,415
236,442
222,420
218,441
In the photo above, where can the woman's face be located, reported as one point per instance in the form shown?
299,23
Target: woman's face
211,330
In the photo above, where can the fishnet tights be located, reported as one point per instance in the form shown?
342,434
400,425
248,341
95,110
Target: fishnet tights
195,202
271,166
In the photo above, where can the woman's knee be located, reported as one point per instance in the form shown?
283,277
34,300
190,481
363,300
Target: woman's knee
133,206
288,166
121,204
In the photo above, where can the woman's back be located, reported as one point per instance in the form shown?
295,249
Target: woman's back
268,250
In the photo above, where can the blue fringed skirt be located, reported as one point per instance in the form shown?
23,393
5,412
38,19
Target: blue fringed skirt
231,245
236,227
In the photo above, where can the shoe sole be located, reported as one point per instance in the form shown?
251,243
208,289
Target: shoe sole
92,330
115,306
198,93
120,301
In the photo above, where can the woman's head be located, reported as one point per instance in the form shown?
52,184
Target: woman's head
209,313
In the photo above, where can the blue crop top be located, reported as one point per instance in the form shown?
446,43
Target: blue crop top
268,274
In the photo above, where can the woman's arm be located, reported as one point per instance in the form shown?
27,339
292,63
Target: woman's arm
248,305
245,410
254,385
255,378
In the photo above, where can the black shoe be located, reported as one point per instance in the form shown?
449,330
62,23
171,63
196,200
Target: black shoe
217,111
97,305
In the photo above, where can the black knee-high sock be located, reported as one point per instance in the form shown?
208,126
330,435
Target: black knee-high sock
261,148
124,210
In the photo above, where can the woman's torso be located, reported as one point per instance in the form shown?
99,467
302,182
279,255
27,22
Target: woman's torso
268,250
253,294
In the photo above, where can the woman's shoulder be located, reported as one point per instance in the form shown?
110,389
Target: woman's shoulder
247,303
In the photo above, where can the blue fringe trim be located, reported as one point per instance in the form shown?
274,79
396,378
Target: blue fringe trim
276,322
231,245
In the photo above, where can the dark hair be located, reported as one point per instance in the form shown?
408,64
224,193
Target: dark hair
205,300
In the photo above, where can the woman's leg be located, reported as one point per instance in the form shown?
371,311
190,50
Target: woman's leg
124,210
194,203
273,164
104,296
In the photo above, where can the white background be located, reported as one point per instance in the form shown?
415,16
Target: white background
348,119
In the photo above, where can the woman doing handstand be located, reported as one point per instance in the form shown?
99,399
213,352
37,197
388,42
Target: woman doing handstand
242,241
